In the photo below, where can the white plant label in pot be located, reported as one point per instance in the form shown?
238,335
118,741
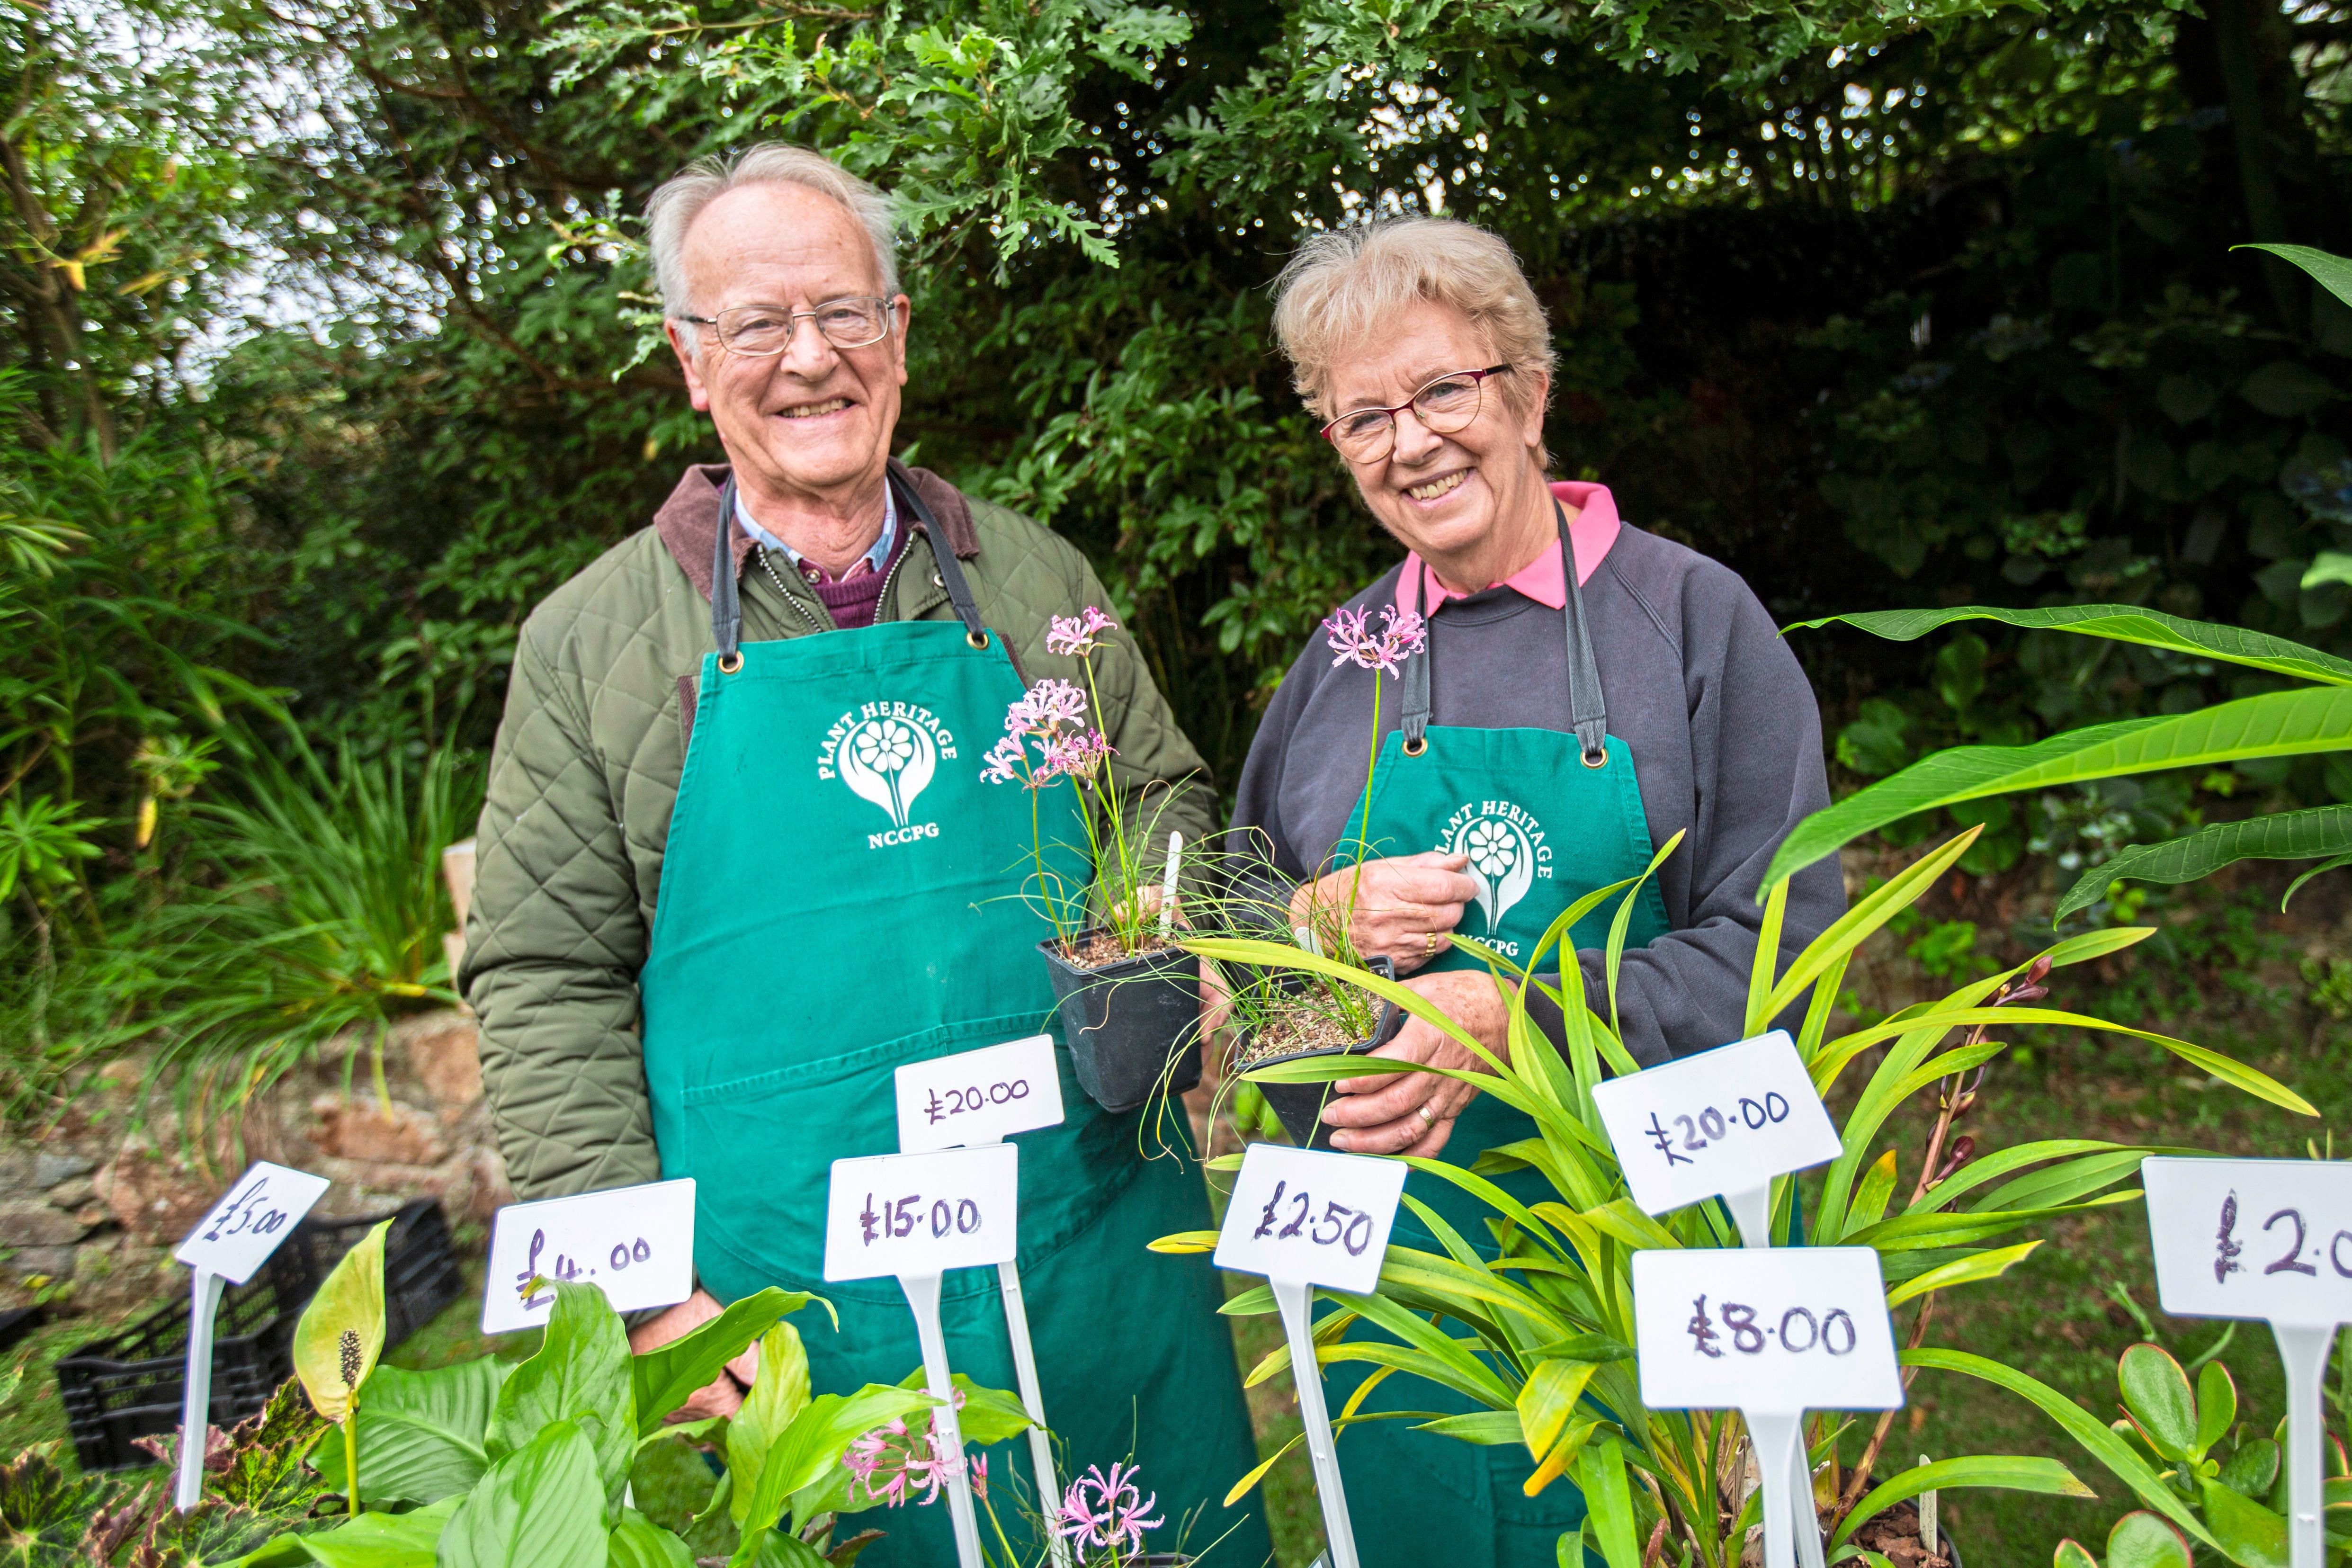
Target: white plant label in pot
635,1244
2269,1239
1721,1123
1771,1334
978,1097
236,1237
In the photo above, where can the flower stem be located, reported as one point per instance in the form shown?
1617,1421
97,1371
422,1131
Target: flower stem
1364,827
352,1457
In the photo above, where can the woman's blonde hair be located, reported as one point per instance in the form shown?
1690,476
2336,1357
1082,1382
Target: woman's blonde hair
1341,288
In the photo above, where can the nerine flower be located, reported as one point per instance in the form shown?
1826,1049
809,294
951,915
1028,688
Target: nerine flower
1106,1511
1006,761
1078,635
1070,756
892,1463
1045,707
1350,638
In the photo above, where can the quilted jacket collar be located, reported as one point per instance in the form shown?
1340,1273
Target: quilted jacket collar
688,521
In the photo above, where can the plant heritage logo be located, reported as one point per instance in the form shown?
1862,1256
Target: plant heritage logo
887,753
1507,854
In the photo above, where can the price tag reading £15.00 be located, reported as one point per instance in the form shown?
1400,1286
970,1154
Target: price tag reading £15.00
1783,1331
1724,1120
259,1211
1316,1218
922,1213
979,1096
635,1244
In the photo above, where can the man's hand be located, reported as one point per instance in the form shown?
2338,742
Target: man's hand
722,1397
1400,903
1383,1113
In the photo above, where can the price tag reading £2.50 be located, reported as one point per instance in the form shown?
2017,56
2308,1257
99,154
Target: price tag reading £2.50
979,1096
922,1213
259,1211
635,1244
1725,1120
1303,1216
1784,1329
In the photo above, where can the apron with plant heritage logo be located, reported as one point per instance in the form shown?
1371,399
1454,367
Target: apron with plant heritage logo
841,894
1546,817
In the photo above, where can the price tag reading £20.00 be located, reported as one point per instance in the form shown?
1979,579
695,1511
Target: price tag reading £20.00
978,1097
635,1244
2252,1239
922,1213
1303,1216
1724,1120
259,1211
1784,1329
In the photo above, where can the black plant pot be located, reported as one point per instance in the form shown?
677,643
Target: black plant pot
1300,1105
1130,1024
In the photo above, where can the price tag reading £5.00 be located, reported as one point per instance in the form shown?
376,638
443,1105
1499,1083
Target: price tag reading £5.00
256,1214
922,1213
979,1096
635,1244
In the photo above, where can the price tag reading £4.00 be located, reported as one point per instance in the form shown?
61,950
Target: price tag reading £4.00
1723,1122
635,1244
979,1096
257,1213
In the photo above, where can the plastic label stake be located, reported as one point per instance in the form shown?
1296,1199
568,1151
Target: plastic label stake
2269,1239
915,1216
635,1244
1770,1333
251,1221
976,1098
1305,1218
1168,883
1721,1123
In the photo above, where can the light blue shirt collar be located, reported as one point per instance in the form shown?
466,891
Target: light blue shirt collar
876,558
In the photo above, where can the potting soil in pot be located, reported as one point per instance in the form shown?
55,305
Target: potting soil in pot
1092,950
1893,1534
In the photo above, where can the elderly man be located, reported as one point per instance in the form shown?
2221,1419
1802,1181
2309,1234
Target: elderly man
698,947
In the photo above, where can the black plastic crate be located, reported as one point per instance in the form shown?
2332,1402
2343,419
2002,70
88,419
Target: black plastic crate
130,1385
420,1265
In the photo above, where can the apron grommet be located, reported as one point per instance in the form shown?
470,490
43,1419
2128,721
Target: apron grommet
727,668
977,639
1416,746
1593,759
937,581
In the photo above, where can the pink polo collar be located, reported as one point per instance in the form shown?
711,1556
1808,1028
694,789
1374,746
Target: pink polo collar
1592,529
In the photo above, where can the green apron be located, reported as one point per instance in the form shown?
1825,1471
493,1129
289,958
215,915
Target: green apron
1546,817
840,895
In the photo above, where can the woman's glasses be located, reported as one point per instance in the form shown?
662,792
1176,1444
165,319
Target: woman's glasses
757,330
1445,406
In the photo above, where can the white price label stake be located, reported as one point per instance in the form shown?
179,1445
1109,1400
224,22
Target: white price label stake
251,1221
1771,1334
1721,1123
1304,1218
916,1217
2269,1239
976,1098
635,1244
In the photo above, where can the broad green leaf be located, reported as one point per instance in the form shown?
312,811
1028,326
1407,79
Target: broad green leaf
341,1333
2007,1472
815,1441
1961,1272
422,1435
541,1506
2253,1470
666,1375
2249,1533
2156,1391
382,1539
2327,566
2289,836
2333,273
987,1416
779,1392
580,1374
2144,1540
2116,623
638,1543
2217,1407
2276,724
2071,1554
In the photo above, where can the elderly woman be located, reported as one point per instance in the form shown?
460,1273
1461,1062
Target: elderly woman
1586,690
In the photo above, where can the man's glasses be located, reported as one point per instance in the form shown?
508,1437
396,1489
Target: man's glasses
1444,406
757,330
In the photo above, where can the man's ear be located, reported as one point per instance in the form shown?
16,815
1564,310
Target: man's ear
906,319
696,393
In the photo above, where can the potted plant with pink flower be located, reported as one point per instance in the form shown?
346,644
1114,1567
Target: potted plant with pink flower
1127,996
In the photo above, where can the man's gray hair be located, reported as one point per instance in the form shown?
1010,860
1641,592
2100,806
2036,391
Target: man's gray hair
672,209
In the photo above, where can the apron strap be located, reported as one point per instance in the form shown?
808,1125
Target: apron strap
1586,710
726,605
943,554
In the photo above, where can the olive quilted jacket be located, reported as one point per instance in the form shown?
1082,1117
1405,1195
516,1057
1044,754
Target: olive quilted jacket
586,769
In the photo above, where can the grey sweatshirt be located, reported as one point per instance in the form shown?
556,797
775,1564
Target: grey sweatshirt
1724,731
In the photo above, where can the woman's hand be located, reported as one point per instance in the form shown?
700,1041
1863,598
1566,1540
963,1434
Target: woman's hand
1412,1113
1406,906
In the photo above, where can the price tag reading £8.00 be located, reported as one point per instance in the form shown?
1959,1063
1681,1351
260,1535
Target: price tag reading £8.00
259,1211
922,1213
635,1244
1723,1121
1317,1218
1783,1330
979,1096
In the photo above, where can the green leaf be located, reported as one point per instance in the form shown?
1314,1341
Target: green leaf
2217,1407
422,1435
2007,1472
2252,1535
541,1506
666,1375
2144,1540
2297,885
2287,389
1548,1399
341,1333
2327,566
2071,1554
813,1443
580,1374
779,1392
2156,1391
1961,1272
2333,273
638,1543
1488,1428
988,1416
2276,724
2118,623
2253,1470
1609,1503
2290,836
382,1539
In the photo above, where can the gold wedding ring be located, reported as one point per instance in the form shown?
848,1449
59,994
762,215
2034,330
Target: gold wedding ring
1431,951
1428,1117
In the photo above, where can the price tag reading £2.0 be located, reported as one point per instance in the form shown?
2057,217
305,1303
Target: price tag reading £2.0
1725,1121
635,1244
259,1211
979,1096
1316,1218
922,1213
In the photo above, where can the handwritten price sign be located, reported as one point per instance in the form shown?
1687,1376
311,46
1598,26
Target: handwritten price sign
979,1096
635,1244
1725,1120
253,1218
1305,1215
1787,1330
922,1213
